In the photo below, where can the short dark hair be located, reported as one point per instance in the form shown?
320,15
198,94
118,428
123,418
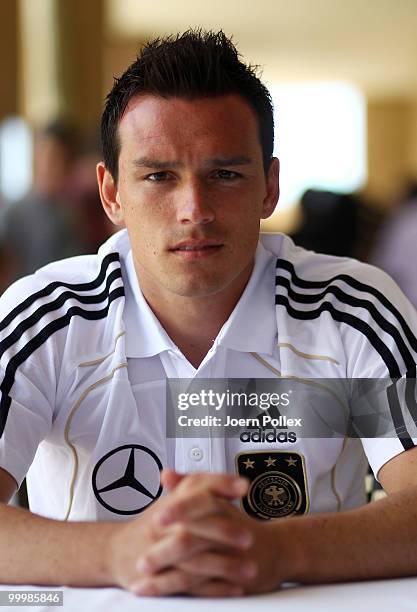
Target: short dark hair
195,64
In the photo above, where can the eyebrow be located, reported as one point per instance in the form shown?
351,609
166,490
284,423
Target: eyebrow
148,162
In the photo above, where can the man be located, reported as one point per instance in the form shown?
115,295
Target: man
396,245
187,292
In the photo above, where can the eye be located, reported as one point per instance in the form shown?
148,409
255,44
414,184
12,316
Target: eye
157,177
227,175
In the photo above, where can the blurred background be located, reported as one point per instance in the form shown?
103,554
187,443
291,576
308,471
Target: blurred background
343,76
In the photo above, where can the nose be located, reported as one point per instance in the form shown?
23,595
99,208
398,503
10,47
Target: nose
193,205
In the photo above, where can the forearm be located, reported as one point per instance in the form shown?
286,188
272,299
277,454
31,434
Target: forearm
36,550
378,540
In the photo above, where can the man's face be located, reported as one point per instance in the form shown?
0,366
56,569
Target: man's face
191,192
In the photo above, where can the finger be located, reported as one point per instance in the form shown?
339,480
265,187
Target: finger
176,547
188,506
195,498
216,565
182,543
220,530
170,478
224,485
217,588
171,582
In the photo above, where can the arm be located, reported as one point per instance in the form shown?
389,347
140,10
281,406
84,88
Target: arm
25,536
65,553
378,540
97,554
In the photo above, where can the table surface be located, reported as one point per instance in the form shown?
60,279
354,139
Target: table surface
372,596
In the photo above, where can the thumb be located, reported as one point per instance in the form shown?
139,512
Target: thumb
170,478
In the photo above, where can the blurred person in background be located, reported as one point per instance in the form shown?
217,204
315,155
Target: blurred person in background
395,250
93,225
7,268
41,227
7,264
329,223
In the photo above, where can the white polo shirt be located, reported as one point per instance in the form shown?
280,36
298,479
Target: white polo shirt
84,365
246,347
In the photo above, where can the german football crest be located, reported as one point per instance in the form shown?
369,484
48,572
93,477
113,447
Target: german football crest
278,485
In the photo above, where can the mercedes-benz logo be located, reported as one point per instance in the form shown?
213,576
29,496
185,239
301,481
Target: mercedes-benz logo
127,479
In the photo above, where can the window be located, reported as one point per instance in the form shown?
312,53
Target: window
320,138
15,159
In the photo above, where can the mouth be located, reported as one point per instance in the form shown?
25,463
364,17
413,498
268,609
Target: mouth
196,249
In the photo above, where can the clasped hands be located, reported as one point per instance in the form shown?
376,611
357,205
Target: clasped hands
194,541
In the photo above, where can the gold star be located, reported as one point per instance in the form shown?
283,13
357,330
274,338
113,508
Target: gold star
270,461
248,463
291,461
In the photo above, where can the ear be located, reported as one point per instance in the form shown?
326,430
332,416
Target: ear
272,189
109,195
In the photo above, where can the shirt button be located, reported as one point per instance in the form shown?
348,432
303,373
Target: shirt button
196,454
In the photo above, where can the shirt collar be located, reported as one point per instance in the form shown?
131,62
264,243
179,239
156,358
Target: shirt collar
252,326
145,336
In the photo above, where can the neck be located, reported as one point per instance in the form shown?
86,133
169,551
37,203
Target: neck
192,327
194,323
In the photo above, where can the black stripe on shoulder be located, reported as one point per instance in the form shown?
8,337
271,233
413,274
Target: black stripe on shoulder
355,284
38,340
36,316
110,258
344,317
410,392
397,417
375,341
346,298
